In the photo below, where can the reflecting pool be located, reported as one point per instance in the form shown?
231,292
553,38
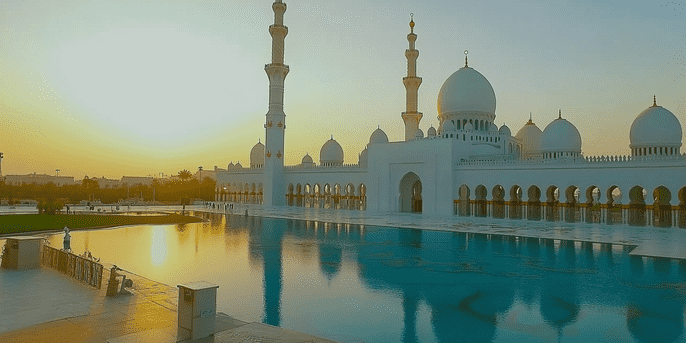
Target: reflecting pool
354,283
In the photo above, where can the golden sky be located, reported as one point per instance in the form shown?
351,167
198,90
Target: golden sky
113,88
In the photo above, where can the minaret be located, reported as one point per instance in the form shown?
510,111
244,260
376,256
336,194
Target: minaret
411,117
274,190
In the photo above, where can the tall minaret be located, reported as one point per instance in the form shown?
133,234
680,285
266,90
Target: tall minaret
411,117
274,190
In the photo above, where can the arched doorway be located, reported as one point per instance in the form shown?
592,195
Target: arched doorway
410,193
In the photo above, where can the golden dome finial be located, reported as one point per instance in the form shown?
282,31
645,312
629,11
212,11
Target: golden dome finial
466,65
654,101
530,121
411,22
559,114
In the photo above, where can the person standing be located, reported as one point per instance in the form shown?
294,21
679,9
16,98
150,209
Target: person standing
67,239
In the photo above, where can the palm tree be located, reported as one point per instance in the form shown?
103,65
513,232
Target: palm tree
185,175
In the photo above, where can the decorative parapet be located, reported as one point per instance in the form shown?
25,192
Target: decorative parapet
615,159
299,167
255,170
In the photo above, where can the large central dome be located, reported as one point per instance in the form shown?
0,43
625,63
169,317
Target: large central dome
466,90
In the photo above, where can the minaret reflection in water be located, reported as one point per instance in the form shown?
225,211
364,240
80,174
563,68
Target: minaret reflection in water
266,236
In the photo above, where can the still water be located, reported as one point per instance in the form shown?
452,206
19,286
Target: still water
355,283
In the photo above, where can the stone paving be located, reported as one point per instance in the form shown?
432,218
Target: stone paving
43,305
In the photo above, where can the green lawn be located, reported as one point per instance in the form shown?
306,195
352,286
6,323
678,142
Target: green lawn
18,223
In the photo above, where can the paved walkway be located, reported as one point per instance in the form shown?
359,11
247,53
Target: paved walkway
649,241
43,305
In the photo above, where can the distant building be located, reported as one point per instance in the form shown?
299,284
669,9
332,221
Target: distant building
104,183
38,179
130,181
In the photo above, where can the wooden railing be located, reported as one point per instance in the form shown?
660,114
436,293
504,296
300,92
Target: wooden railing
80,268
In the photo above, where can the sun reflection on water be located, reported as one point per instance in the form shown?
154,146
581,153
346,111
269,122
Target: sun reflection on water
158,248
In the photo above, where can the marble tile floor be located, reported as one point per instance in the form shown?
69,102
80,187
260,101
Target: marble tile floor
43,305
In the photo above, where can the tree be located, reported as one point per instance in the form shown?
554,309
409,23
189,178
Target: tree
91,186
185,175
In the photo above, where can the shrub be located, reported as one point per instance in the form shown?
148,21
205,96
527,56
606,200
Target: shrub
50,207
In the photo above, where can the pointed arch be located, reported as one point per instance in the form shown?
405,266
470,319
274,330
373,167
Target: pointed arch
410,193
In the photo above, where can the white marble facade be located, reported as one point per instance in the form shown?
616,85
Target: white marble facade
469,166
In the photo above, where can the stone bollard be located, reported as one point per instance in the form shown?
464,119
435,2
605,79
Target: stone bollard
197,310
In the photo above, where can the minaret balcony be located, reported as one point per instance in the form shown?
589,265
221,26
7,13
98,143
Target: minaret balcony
412,81
278,30
411,54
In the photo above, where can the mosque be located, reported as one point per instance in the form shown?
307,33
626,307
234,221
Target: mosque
468,166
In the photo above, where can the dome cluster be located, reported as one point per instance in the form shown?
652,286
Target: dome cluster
655,132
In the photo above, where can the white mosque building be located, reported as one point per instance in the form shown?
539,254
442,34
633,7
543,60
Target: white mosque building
468,166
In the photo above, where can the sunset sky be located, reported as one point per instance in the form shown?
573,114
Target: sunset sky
113,88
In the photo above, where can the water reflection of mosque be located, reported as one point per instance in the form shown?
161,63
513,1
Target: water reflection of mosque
454,273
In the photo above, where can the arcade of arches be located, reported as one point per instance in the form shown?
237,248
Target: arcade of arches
591,205
349,197
249,193
637,206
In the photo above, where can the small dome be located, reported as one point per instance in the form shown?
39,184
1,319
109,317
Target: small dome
504,130
378,136
230,166
257,155
466,90
419,134
331,153
362,158
431,132
238,165
530,135
561,136
307,159
656,126
493,128
449,126
468,127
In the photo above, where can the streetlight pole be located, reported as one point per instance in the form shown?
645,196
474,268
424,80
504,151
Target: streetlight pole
200,183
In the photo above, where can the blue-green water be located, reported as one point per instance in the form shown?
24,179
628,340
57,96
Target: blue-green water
372,284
